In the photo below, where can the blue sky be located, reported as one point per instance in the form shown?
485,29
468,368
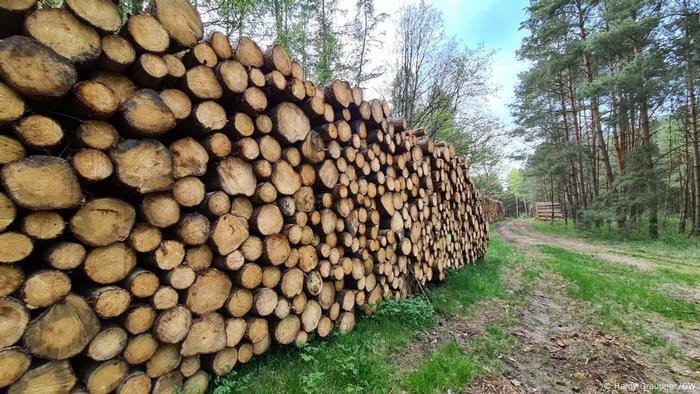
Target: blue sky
494,23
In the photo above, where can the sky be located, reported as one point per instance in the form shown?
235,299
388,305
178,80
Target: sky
491,23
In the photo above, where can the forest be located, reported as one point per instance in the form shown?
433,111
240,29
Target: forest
608,112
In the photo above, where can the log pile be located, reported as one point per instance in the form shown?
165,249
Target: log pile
172,205
492,209
547,210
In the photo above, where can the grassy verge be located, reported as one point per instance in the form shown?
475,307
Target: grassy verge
362,360
670,247
623,296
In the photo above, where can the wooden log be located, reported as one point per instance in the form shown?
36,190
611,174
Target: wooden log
209,291
120,84
14,362
240,301
172,325
267,220
201,54
232,76
228,233
107,344
140,348
248,53
207,335
74,40
143,165
41,183
167,383
39,132
103,221
201,83
160,209
52,377
222,361
276,249
43,288
177,101
149,71
197,383
285,331
22,64
165,359
145,114
92,165
73,318
189,366
109,264
235,176
289,122
100,14
221,45
181,20
136,382
146,33
188,191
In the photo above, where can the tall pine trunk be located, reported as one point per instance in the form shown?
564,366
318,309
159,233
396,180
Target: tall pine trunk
596,128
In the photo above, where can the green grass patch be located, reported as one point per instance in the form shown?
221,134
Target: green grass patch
452,368
670,247
470,284
449,367
602,283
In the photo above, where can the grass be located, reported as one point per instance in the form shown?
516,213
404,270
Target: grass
668,248
449,367
482,280
362,361
623,296
601,283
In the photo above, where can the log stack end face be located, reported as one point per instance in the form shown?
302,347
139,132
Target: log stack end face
173,205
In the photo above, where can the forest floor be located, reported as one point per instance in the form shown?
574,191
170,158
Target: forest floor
545,311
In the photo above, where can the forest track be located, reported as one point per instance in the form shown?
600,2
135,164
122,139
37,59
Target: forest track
521,233
561,344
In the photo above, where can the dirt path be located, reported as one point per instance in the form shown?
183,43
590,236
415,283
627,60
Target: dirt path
519,232
556,351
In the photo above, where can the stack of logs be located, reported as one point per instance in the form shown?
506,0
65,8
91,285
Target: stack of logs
492,209
547,210
172,206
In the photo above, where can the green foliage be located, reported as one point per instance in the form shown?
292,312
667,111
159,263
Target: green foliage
49,3
414,312
669,243
638,69
489,184
452,367
515,182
